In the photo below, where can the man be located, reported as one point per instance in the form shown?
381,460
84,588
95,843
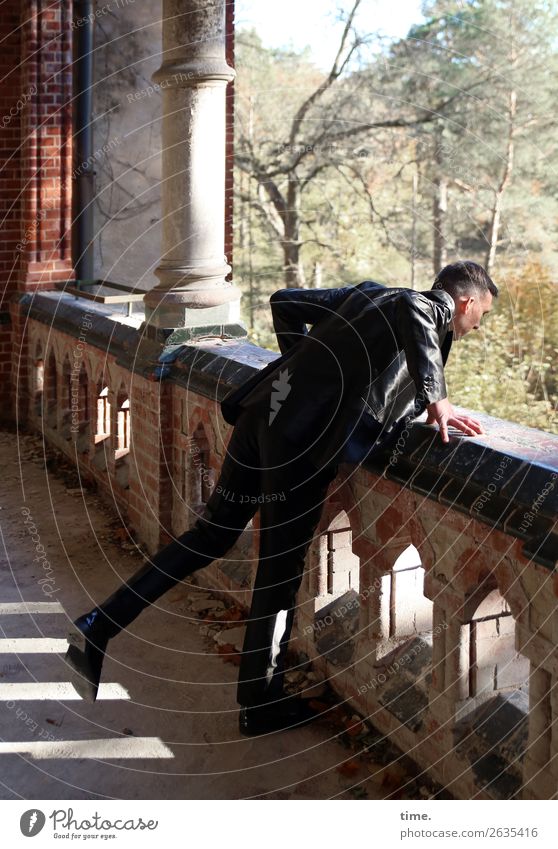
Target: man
374,357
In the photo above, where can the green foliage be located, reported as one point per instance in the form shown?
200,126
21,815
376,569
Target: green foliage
508,369
471,98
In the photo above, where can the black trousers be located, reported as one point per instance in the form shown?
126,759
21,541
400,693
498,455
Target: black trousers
260,472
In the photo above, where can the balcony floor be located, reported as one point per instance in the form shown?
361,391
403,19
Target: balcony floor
165,724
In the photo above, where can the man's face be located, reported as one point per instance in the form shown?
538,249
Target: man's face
469,310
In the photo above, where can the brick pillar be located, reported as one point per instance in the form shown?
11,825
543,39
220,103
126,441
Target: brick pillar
46,144
151,488
12,100
35,147
229,140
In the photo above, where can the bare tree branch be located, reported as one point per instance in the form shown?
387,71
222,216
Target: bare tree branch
336,70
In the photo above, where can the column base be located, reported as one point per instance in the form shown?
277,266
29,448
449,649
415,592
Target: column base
186,335
176,324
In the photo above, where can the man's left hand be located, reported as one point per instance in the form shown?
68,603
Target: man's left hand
443,414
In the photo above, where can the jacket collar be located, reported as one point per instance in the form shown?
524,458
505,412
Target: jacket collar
442,297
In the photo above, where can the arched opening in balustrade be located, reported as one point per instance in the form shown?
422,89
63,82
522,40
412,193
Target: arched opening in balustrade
405,611
50,392
193,482
123,425
338,568
493,712
123,439
102,429
38,380
197,474
490,659
102,437
335,579
400,677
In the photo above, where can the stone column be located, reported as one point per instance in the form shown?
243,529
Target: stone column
370,624
193,293
451,669
439,650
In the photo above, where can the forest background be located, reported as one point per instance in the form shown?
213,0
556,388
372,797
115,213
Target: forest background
402,155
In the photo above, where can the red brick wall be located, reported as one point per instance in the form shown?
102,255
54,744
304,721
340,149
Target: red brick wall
10,117
10,214
229,151
35,175
46,143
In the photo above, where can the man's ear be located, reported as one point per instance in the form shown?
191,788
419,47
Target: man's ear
467,303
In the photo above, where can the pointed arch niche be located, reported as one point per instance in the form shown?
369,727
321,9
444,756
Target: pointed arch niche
489,660
102,414
405,612
197,475
38,380
334,581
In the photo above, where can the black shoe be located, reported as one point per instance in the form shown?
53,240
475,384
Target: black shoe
88,641
89,637
277,716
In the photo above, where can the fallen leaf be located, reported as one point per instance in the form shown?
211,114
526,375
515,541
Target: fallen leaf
337,718
394,776
232,615
230,654
349,768
354,729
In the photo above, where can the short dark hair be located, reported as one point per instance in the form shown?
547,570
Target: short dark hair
460,278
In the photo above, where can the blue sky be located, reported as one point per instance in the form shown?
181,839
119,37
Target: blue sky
299,23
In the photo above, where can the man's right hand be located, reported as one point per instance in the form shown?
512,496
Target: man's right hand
443,414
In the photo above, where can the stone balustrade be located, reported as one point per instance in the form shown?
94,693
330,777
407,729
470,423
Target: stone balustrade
429,599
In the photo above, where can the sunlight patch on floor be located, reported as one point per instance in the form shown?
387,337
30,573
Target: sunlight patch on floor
110,748
19,607
38,645
61,691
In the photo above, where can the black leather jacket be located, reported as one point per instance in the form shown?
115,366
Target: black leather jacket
372,352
